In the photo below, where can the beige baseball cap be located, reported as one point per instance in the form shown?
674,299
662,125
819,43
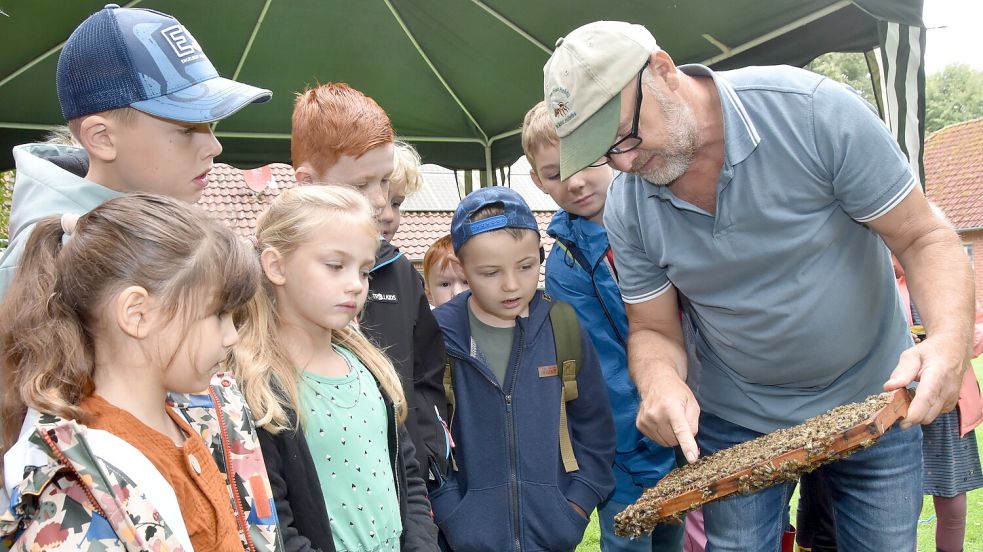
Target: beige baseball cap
582,84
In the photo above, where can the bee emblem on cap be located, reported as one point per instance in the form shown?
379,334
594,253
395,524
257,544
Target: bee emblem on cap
560,109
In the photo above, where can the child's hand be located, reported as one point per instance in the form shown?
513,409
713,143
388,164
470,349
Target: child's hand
579,510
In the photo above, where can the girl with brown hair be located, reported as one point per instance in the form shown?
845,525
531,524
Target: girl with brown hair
106,317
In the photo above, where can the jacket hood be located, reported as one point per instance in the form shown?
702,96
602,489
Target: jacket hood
453,319
387,254
591,238
561,225
45,188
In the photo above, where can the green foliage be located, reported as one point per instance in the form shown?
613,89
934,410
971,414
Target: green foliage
953,95
849,68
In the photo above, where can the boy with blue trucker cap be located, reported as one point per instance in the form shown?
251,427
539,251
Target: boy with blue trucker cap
138,93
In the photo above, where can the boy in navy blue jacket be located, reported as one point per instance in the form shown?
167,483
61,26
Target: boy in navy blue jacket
513,483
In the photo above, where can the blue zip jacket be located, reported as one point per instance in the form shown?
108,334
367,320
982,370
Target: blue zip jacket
577,272
510,491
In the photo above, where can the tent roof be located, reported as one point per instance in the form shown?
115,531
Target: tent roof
455,77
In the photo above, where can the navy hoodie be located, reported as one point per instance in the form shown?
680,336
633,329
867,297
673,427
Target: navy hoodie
510,491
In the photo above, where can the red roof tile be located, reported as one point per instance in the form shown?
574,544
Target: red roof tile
237,197
954,172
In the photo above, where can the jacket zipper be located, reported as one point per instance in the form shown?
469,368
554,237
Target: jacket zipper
513,463
574,251
65,462
227,451
604,306
396,457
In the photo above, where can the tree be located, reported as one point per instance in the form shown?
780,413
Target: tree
953,95
846,67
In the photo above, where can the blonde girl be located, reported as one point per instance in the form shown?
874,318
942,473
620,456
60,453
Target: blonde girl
329,404
105,317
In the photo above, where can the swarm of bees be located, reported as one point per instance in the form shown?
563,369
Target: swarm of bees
781,455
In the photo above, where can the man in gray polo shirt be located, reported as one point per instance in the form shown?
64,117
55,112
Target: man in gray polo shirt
764,196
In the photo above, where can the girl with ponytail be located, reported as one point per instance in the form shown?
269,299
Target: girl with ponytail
328,403
108,319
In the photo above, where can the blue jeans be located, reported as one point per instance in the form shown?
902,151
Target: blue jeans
876,495
665,538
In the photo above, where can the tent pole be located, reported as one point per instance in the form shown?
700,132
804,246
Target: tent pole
46,55
490,174
801,22
513,26
433,68
249,47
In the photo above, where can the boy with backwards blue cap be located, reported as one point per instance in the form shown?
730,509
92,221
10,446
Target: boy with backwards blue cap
532,429
138,93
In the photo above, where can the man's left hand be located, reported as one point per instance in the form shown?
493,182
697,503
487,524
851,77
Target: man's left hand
937,363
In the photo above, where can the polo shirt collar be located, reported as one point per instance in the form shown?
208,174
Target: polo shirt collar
740,134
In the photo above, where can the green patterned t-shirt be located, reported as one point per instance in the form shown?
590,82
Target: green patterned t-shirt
346,428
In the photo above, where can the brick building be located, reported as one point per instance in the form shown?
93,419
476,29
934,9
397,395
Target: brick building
237,197
954,182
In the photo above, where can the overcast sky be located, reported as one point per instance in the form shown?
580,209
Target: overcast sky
954,33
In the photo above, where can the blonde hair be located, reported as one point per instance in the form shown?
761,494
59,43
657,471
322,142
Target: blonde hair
48,318
61,135
538,131
269,380
407,168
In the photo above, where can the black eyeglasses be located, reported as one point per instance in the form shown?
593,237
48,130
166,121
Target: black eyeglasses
632,140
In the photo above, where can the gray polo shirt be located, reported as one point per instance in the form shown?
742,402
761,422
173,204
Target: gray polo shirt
793,296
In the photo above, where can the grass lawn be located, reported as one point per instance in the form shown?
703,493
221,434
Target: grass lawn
926,523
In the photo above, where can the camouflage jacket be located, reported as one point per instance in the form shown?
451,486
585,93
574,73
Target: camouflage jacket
230,433
78,499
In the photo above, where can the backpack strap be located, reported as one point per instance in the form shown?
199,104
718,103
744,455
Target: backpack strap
451,402
566,338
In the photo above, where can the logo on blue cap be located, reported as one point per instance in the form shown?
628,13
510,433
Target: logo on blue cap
147,60
517,214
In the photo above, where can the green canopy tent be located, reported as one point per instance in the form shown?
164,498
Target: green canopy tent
456,76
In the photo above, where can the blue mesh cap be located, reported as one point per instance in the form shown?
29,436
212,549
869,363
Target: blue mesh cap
517,214
147,60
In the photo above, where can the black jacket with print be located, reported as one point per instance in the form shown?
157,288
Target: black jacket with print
299,502
398,320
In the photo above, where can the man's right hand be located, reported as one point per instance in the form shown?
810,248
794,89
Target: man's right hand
669,414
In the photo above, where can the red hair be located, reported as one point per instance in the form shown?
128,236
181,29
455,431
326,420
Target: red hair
439,257
332,120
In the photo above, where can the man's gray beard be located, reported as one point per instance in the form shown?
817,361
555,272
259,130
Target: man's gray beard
683,136
672,167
